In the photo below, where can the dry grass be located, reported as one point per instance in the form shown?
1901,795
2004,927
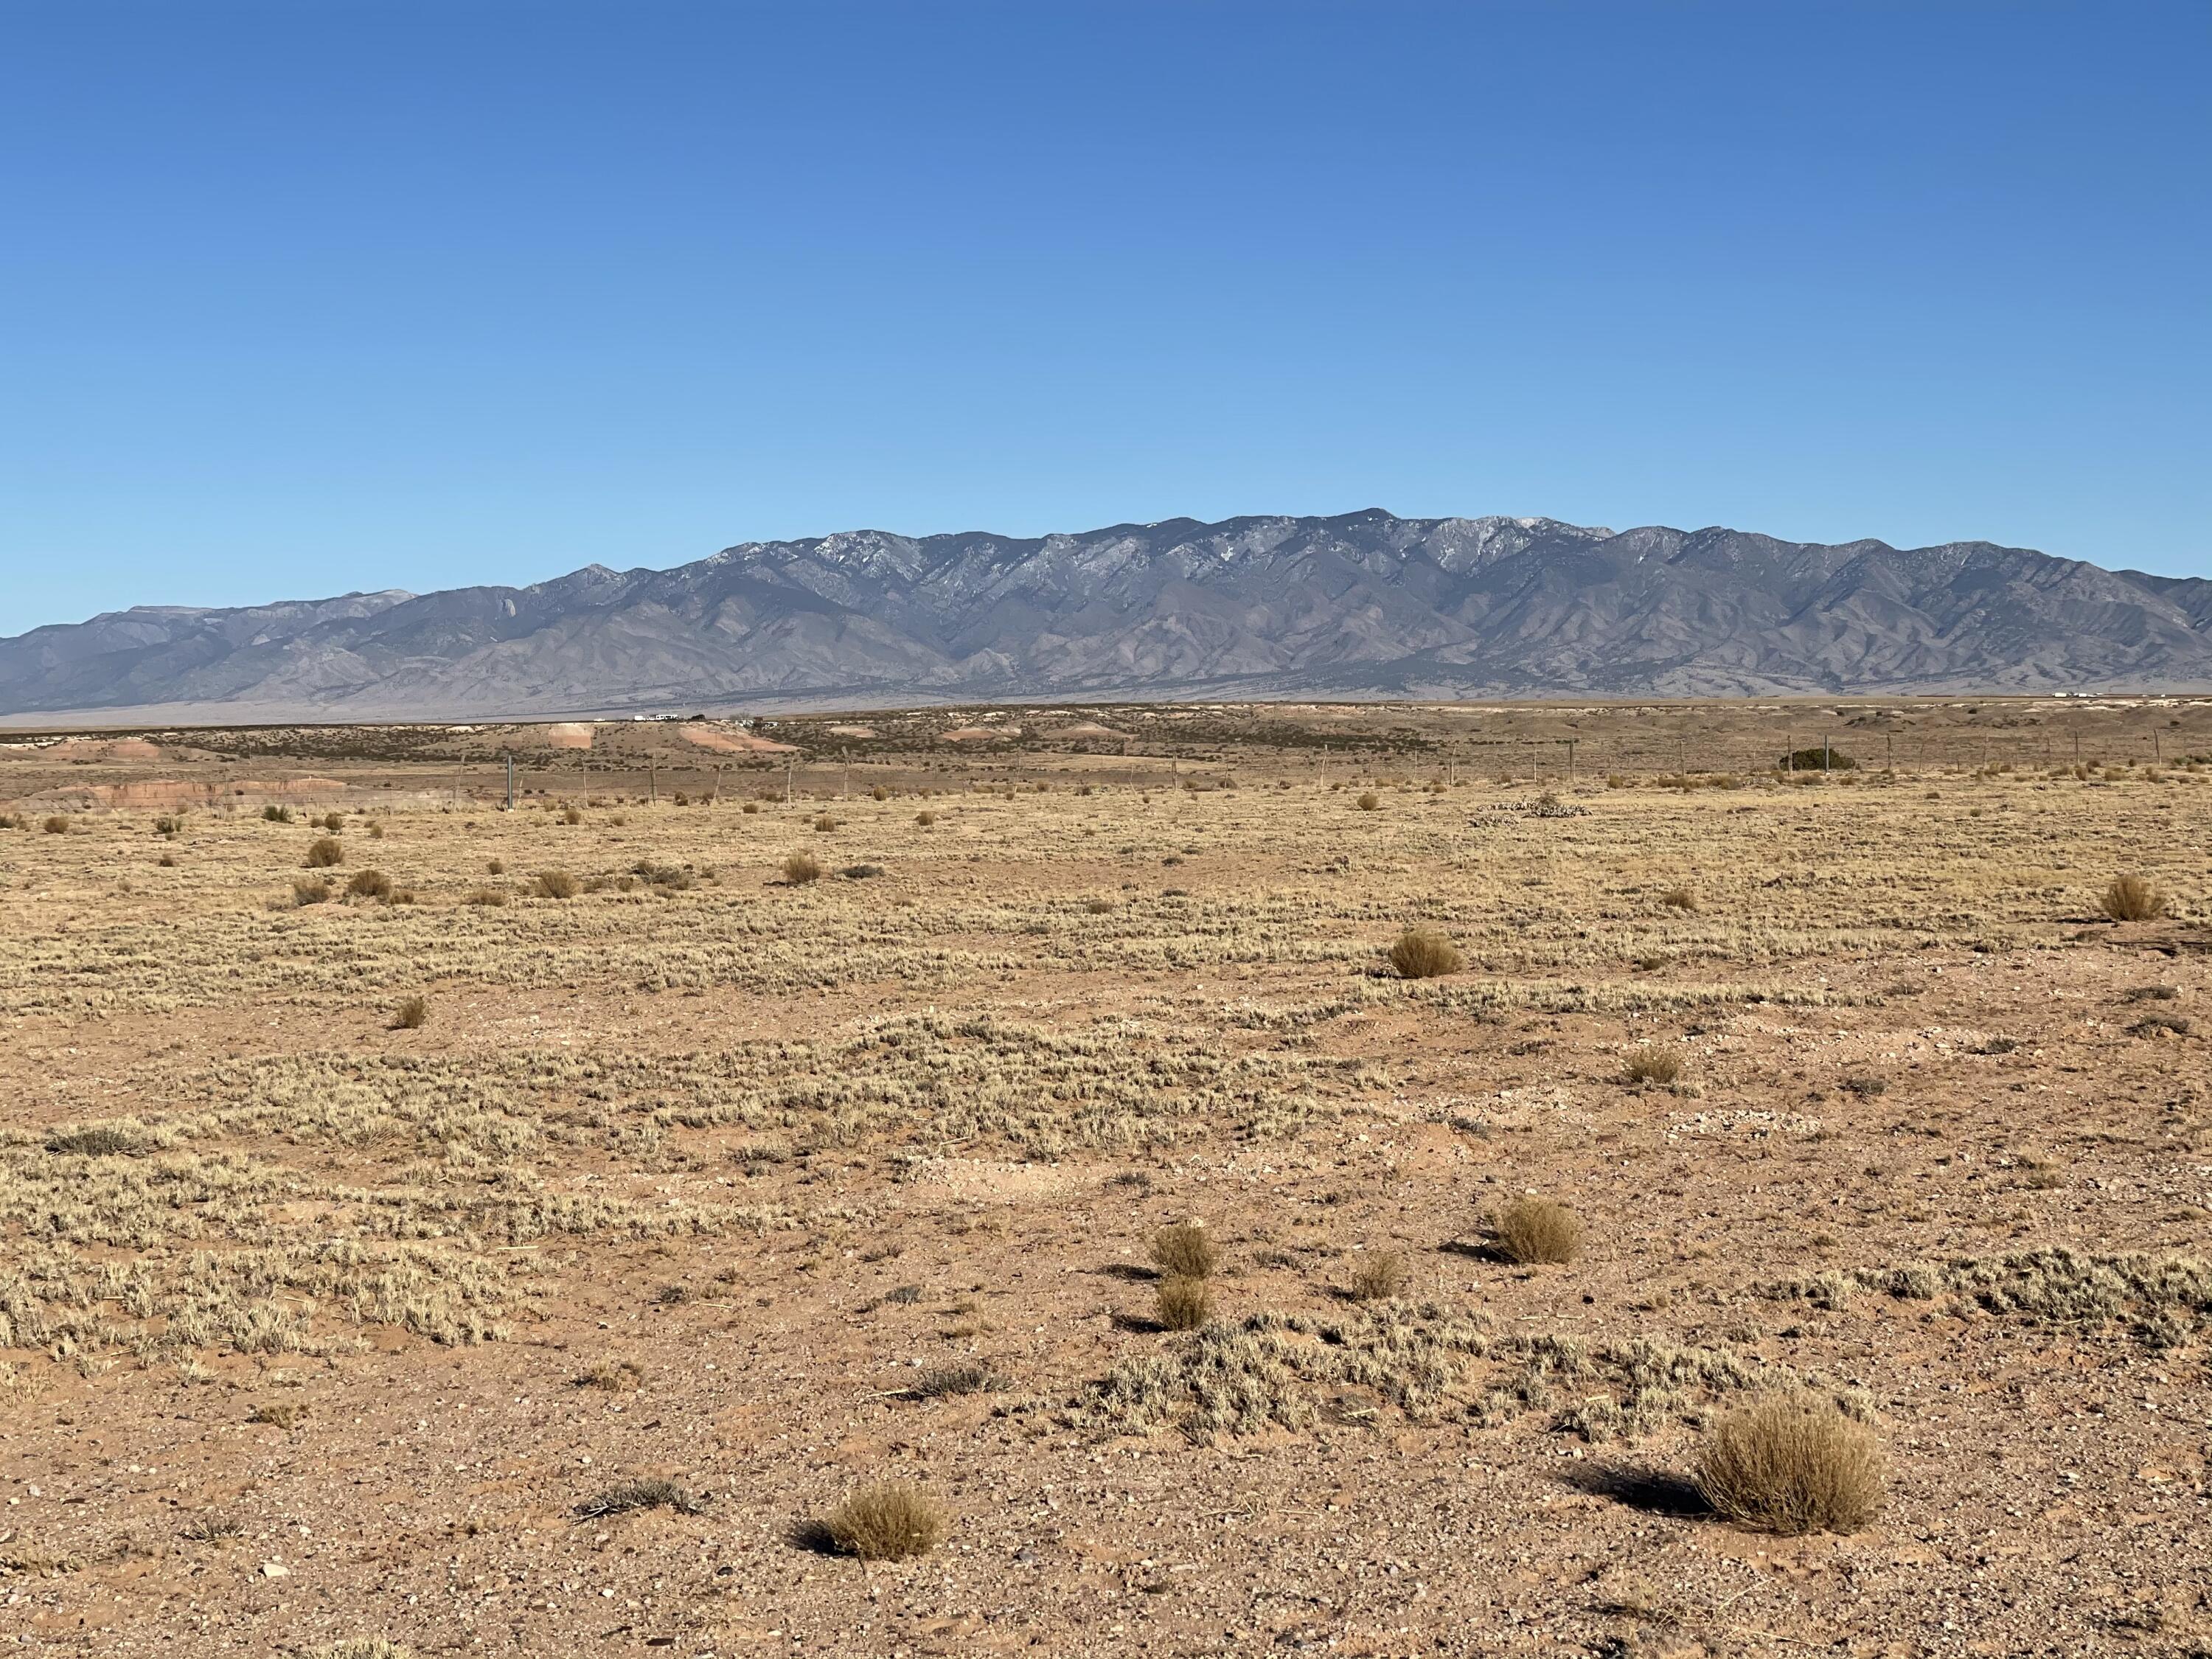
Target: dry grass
309,890
1659,1064
1183,1303
369,884
412,1014
56,825
627,1497
887,1521
491,897
1379,1275
1678,899
616,1377
324,852
1538,1231
1423,953
1370,801
801,868
1792,1465
2130,898
1186,1250
557,884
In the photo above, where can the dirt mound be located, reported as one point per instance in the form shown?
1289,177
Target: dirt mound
1090,729
104,748
982,733
853,731
570,734
735,743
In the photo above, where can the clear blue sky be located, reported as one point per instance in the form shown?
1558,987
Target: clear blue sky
317,295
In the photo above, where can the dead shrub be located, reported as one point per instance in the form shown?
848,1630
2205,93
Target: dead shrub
626,1497
323,852
623,1376
1185,1303
487,895
309,890
925,819
1661,1065
825,823
1538,1231
749,808
557,884
1369,802
1793,1465
1678,899
801,868
1423,953
273,814
376,832
412,1014
494,867
369,884
572,815
2130,898
285,1414
887,1521
1380,1275
1098,907
1185,1250
56,825
333,821
879,793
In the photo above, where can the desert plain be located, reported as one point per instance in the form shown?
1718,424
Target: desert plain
429,1227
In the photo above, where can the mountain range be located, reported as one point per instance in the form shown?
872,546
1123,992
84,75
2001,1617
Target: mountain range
1360,605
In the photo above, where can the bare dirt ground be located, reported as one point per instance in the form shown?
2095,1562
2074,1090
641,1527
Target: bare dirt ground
319,1329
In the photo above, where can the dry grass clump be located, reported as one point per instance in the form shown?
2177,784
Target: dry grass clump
376,832
486,895
364,1647
285,1414
1185,1303
925,819
494,867
557,884
801,868
2130,898
887,1521
1534,1230
1678,899
323,852
1186,1250
369,884
572,815
825,823
333,821
412,1014
623,1376
956,1380
277,815
1423,953
309,890
1792,1464
1369,802
626,1497
56,825
1097,907
1661,1065
1380,1275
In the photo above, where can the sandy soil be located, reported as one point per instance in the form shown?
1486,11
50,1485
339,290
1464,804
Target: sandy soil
316,1328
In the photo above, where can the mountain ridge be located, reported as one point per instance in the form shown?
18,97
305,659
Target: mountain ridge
1257,607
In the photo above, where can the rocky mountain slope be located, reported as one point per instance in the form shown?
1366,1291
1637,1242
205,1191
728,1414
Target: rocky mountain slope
1361,604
